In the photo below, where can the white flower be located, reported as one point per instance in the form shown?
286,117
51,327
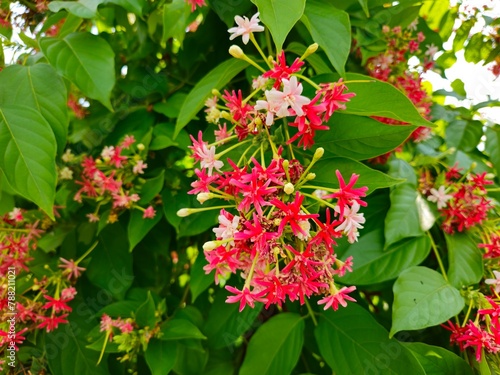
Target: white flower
227,228
65,174
431,50
352,221
108,152
290,97
139,167
495,281
245,27
305,225
439,196
209,160
259,82
68,156
413,26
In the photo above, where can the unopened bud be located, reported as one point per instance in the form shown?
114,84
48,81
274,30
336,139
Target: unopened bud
288,188
183,212
258,121
140,147
309,51
286,164
226,115
215,92
311,176
473,165
319,153
489,176
210,245
236,51
203,197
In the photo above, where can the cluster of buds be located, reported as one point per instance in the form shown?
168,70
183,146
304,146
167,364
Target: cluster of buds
42,303
269,231
392,66
112,178
461,199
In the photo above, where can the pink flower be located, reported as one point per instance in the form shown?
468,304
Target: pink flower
347,194
58,304
149,213
16,215
106,323
107,152
340,297
245,27
93,218
352,221
68,294
196,3
139,167
228,226
494,282
50,323
205,155
71,268
244,296
281,70
128,141
222,133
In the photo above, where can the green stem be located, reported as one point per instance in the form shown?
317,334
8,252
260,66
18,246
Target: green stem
252,38
87,252
311,313
438,257
319,200
304,78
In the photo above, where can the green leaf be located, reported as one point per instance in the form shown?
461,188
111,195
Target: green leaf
403,219
325,174
225,323
438,361
80,8
172,106
423,298
390,102
151,188
27,154
228,9
160,356
86,60
66,350
120,309
275,347
215,79
175,16
465,260
374,264
138,227
492,142
199,280
111,265
360,137
133,6
464,135
272,15
331,29
40,88
145,316
316,61
364,5
346,346
163,137
179,329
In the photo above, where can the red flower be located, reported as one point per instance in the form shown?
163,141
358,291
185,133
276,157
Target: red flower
57,304
244,296
340,297
347,194
281,70
51,323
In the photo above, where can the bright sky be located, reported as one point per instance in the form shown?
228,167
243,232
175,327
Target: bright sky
480,83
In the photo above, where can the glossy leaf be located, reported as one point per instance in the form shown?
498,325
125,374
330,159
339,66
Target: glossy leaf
66,349
360,137
325,174
145,315
110,267
423,298
464,259
42,89
374,264
225,323
86,60
352,342
228,9
215,79
139,227
275,347
271,15
175,16
331,29
199,281
80,8
492,142
402,220
178,329
464,135
133,6
438,361
27,154
151,188
377,98
160,356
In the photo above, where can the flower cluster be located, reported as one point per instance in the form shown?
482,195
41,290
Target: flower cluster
43,302
461,200
392,66
112,178
269,230
482,333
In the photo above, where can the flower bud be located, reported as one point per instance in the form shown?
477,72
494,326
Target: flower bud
258,121
286,164
236,51
311,176
210,245
288,188
215,92
226,115
140,147
203,197
489,176
319,153
309,51
183,212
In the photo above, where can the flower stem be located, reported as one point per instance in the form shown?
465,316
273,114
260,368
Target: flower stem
87,252
438,257
311,313
252,38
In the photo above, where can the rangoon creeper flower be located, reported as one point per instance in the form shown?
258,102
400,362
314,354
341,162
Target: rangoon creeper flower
228,226
245,27
439,196
495,282
290,97
352,221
